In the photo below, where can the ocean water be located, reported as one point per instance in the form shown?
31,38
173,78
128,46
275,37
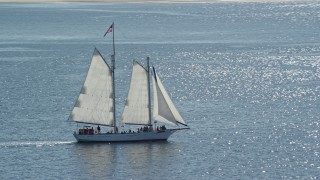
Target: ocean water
245,77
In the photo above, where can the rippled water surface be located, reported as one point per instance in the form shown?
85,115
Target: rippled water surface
245,77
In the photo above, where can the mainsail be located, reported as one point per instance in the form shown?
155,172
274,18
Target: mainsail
136,110
163,107
95,102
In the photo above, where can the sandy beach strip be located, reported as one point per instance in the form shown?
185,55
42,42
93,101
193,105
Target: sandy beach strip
102,1
142,1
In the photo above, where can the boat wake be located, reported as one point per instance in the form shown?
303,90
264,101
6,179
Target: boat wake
33,143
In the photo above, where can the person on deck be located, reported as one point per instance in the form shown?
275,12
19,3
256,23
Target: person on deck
98,128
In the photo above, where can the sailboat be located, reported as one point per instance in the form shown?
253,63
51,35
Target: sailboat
96,104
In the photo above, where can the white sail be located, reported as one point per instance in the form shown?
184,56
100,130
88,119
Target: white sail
95,102
163,107
136,110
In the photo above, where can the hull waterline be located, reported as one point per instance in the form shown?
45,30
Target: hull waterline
128,137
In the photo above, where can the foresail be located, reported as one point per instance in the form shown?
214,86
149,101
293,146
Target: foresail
163,107
95,102
136,110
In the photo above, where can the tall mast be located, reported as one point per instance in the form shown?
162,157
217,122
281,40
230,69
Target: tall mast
113,57
149,97
114,49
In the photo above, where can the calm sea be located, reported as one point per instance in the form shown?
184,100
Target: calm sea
245,77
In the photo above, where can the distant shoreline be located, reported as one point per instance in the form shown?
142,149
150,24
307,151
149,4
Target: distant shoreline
142,1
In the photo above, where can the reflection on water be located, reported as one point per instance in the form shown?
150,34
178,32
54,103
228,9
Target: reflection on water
111,160
97,159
